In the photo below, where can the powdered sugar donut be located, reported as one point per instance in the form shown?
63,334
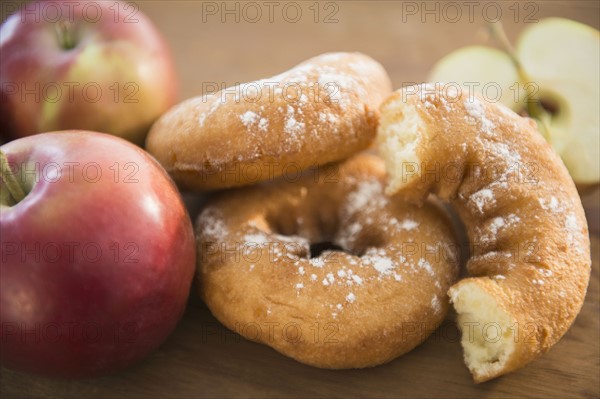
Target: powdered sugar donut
376,293
530,251
323,110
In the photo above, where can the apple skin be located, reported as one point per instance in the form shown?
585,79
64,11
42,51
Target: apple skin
65,313
129,61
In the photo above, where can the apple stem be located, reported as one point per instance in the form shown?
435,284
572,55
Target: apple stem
9,179
532,101
498,33
64,31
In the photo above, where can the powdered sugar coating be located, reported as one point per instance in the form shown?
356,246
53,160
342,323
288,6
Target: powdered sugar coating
483,199
476,110
213,227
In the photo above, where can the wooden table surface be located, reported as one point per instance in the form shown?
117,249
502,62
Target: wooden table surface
201,358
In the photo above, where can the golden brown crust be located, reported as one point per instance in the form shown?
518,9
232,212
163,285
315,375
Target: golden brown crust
323,110
529,239
359,308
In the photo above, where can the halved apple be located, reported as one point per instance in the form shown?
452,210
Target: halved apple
562,59
563,56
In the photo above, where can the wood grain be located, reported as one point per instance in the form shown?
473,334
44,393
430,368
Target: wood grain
201,358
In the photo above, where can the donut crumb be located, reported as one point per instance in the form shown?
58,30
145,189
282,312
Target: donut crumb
485,351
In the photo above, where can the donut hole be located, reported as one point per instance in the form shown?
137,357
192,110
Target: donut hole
283,224
324,228
358,248
317,248
318,228
368,240
323,235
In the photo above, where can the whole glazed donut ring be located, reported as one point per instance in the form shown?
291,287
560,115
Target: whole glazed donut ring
530,251
323,110
376,299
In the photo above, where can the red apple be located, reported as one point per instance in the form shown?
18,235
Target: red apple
97,258
93,65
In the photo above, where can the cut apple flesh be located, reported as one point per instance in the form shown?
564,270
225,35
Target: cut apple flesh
483,69
564,55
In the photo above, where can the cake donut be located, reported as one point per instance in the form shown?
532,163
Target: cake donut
376,293
530,252
323,110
